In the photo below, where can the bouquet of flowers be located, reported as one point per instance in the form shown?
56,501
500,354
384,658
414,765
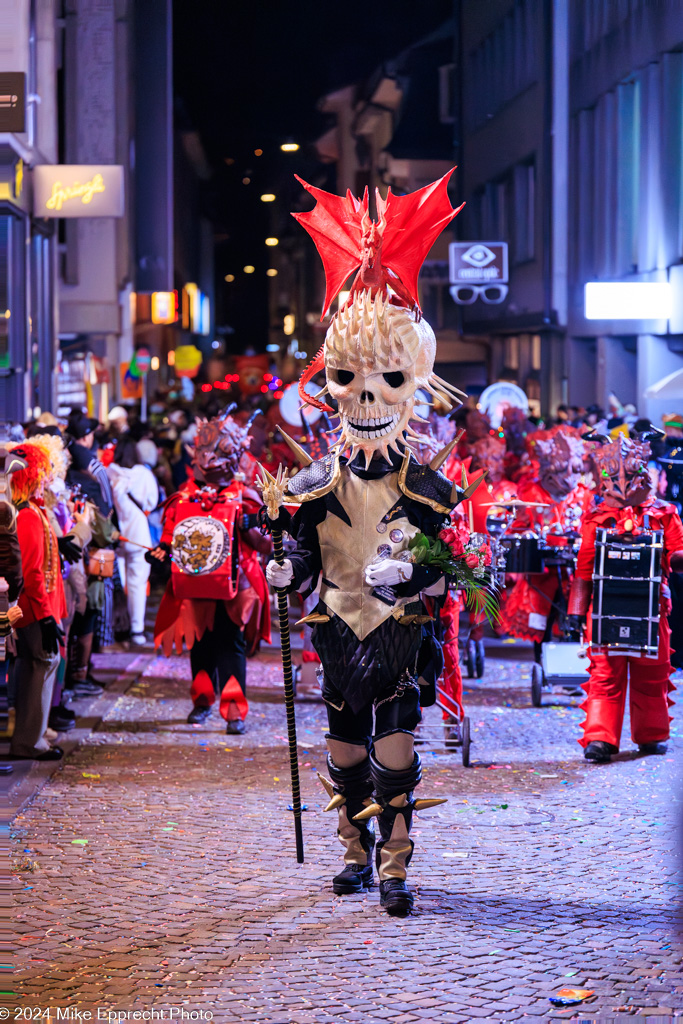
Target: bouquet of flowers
468,561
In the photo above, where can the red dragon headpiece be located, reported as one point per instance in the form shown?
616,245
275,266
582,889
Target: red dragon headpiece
378,350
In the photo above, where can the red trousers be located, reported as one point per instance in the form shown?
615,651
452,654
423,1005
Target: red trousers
649,700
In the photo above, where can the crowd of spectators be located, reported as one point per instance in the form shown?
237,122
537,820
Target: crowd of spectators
87,507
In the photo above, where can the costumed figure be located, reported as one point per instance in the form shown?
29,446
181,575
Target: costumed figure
39,631
557,498
216,601
630,542
366,532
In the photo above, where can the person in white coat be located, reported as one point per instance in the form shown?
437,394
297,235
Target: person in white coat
135,495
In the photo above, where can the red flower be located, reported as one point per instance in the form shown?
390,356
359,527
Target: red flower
450,537
472,560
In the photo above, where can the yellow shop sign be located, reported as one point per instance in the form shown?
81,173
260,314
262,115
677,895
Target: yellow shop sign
78,190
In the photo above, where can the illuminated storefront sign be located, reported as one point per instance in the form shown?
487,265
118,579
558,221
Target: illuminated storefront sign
77,190
627,300
164,307
196,309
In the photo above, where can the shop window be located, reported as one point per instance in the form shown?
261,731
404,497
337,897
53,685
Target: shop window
535,351
511,352
447,94
628,177
524,184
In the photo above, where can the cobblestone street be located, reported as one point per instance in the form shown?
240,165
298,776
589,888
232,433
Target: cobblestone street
156,869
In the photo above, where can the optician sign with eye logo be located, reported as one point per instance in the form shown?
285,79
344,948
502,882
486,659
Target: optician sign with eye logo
478,270
78,190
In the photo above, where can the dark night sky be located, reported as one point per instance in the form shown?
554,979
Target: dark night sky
248,75
251,71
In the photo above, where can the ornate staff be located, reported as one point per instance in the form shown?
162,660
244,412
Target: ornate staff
273,491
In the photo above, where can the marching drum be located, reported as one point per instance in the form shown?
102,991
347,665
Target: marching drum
522,553
627,578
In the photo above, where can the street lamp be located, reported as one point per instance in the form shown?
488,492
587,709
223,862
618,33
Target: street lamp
289,147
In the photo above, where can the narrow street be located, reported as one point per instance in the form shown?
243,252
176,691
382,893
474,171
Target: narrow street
156,869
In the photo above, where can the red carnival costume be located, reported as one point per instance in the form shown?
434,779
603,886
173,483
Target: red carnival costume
217,599
42,602
559,454
628,513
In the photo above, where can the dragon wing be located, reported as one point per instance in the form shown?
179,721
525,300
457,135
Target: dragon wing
413,223
334,224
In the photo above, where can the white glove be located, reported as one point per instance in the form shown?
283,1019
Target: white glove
388,572
279,575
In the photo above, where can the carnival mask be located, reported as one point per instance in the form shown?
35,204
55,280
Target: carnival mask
376,357
218,447
620,470
560,455
489,453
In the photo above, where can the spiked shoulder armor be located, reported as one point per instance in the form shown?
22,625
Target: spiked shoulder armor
314,480
428,486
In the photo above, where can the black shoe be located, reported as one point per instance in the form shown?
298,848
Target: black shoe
236,727
354,878
86,688
60,723
53,754
395,897
652,748
599,751
198,714
62,719
6,769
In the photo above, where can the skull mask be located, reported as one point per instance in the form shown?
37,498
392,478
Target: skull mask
219,445
560,454
376,357
620,470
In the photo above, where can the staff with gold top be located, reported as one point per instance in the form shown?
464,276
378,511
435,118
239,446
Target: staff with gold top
273,491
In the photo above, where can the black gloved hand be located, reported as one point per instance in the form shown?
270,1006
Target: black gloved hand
51,633
160,553
69,549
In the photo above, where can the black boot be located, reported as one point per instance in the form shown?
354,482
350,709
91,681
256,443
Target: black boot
599,751
357,837
394,793
395,897
652,748
199,714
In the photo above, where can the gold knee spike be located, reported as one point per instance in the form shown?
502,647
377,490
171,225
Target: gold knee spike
422,805
370,811
327,785
337,801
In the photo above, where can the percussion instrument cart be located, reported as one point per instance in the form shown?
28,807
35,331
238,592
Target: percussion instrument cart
561,665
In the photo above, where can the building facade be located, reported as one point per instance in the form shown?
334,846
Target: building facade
123,258
626,191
